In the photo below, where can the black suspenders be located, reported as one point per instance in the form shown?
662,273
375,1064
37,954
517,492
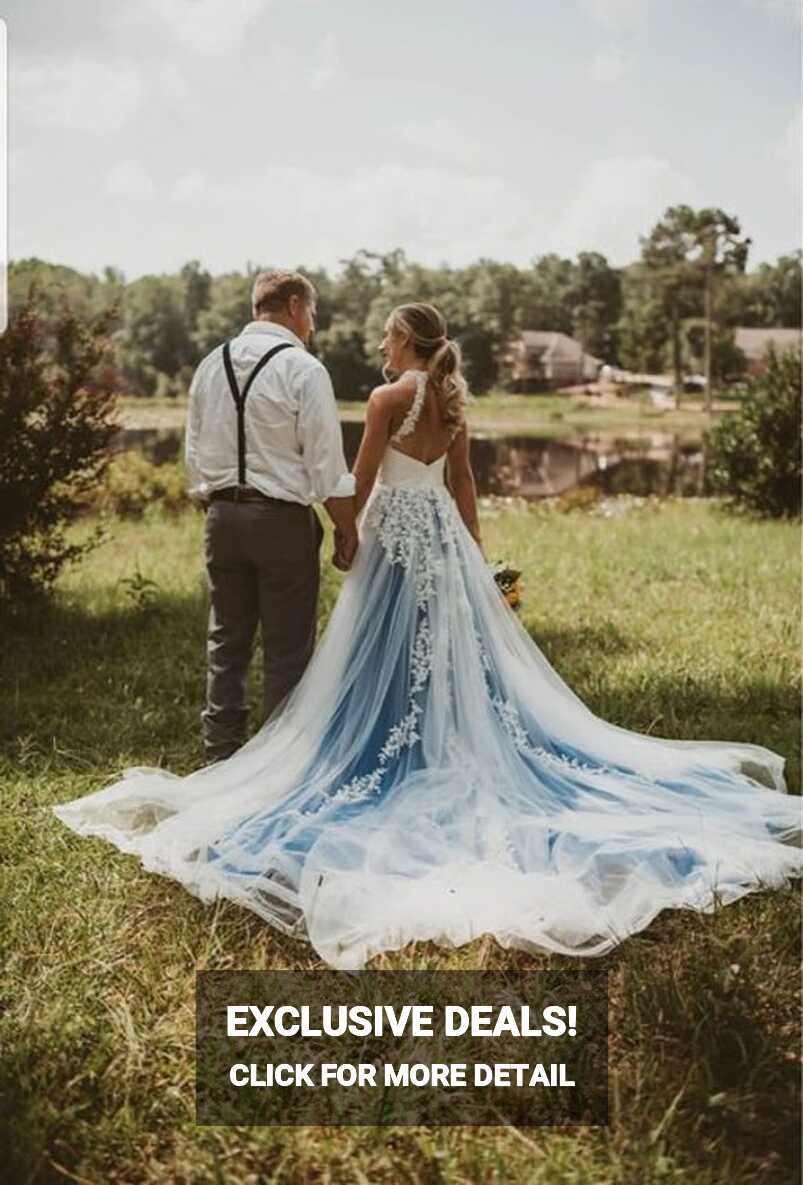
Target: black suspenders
240,397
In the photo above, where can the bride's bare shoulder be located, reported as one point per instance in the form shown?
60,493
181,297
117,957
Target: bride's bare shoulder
391,397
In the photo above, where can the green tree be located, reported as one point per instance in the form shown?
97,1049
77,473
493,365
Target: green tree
756,452
55,289
670,278
546,299
782,283
769,297
55,431
720,249
689,250
727,360
595,293
228,310
343,306
451,290
642,328
196,285
490,312
155,339
341,348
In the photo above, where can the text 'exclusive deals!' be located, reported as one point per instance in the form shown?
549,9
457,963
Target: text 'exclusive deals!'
416,1047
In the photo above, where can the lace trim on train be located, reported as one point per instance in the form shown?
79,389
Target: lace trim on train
402,735
511,721
510,718
408,523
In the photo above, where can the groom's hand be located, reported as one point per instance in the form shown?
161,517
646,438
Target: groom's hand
345,548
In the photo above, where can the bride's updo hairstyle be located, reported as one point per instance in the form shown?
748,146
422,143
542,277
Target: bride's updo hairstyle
424,327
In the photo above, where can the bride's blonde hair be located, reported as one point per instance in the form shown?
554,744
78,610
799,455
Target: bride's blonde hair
424,326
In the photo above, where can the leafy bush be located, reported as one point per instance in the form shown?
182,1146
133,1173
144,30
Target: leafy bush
133,483
756,452
56,399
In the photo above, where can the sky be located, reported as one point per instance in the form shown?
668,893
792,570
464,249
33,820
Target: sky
144,133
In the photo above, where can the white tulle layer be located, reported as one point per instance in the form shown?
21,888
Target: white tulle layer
432,777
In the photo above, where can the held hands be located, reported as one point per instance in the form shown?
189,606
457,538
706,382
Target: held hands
345,548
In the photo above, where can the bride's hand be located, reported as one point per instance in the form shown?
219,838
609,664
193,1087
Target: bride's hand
346,544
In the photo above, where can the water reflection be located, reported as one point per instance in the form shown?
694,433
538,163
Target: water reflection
530,466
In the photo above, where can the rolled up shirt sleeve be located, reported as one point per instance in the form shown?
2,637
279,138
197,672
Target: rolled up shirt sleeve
321,439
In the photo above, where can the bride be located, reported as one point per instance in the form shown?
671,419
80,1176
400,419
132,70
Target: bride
431,776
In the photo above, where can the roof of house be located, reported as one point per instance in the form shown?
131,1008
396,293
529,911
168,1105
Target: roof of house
754,342
548,342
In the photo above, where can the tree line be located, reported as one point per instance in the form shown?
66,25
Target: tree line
671,310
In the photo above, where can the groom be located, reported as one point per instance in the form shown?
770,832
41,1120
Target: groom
263,444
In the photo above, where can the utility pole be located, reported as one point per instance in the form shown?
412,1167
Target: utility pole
708,286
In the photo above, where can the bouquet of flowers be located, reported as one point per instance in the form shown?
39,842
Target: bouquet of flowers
509,582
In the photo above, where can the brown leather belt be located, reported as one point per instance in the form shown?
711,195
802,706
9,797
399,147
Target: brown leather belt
243,494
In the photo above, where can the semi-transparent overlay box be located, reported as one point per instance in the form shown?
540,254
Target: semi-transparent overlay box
518,1048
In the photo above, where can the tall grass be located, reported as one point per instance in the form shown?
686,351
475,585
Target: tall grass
664,617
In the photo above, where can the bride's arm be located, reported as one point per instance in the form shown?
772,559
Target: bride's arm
461,483
372,447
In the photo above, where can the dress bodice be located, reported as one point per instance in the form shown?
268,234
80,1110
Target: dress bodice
400,469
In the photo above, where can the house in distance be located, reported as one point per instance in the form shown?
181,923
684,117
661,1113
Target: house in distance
537,360
756,343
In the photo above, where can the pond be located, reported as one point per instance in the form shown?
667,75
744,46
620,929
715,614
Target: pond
528,465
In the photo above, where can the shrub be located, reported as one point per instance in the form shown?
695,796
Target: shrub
55,429
133,483
756,451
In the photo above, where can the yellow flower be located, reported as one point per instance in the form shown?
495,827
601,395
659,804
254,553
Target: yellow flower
513,595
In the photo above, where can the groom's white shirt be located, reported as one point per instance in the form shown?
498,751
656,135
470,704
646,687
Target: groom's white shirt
294,446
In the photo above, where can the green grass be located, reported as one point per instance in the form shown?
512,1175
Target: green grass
560,414
547,415
665,617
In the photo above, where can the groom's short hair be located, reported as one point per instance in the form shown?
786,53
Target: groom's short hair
272,290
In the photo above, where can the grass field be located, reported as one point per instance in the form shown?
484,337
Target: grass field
665,617
556,414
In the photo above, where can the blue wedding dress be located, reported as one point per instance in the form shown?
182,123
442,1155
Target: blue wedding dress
432,777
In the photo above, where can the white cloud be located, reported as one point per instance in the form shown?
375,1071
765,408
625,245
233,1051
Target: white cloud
787,148
129,179
78,94
616,14
607,65
325,63
616,201
292,215
435,213
188,186
440,138
203,26
175,88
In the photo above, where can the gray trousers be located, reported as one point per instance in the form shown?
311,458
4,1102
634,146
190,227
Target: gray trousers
263,564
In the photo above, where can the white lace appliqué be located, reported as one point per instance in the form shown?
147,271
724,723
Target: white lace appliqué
409,522
511,721
411,419
402,735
